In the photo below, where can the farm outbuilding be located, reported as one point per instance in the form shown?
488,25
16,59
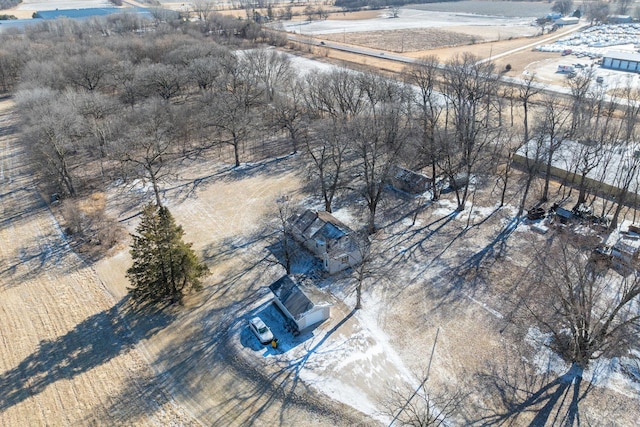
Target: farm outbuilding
409,181
567,20
301,302
624,61
619,19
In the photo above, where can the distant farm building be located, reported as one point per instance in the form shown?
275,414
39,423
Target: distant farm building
567,20
78,14
301,302
625,61
408,181
89,12
604,179
330,240
619,19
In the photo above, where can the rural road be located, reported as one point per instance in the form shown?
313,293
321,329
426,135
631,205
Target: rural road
308,39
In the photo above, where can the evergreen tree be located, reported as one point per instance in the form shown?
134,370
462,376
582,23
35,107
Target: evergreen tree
164,267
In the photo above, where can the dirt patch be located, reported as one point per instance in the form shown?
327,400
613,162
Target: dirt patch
404,40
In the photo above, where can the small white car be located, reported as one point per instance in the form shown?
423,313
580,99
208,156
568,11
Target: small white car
261,331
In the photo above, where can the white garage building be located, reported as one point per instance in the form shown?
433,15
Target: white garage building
624,61
301,301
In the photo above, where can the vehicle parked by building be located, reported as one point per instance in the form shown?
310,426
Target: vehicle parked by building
260,330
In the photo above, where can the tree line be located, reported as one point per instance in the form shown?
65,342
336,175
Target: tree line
132,105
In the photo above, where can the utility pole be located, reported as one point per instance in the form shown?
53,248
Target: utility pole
433,349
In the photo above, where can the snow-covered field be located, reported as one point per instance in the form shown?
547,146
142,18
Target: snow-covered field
409,18
62,4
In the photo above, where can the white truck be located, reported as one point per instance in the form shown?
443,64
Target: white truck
566,69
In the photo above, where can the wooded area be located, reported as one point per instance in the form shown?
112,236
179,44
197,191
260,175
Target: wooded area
126,100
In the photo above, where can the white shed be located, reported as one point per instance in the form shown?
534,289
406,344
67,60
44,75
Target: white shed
302,302
567,20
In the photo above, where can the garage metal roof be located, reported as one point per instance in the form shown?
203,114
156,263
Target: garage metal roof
623,56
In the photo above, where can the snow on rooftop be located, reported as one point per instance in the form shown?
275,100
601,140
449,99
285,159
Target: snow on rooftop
625,56
614,158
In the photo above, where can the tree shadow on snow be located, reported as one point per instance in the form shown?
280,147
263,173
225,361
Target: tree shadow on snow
222,349
517,395
468,274
93,342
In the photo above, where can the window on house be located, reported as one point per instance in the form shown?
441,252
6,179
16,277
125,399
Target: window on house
345,259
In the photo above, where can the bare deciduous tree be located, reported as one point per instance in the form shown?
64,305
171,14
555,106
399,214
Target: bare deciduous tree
623,6
11,62
426,409
88,70
589,311
231,110
204,71
202,8
563,7
337,94
327,147
534,153
288,113
161,80
596,11
469,85
555,129
147,143
124,75
98,112
53,130
287,244
423,74
581,95
379,135
272,68
526,91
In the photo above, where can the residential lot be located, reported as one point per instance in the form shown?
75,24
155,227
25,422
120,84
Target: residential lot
202,363
446,283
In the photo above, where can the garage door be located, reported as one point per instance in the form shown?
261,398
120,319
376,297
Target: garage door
312,318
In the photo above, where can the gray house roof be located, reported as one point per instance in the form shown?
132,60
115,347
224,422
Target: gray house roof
297,297
324,227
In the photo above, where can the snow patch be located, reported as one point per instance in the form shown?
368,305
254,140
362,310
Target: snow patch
621,375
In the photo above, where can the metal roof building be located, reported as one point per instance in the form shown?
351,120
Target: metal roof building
89,12
624,61
303,303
